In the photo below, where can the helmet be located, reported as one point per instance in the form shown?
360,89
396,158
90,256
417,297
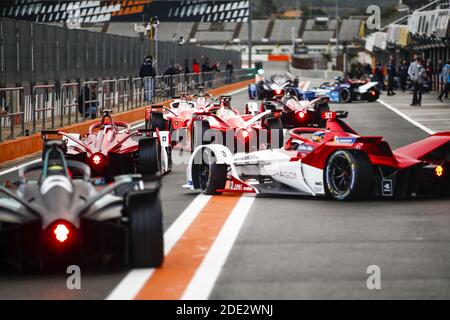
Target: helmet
318,136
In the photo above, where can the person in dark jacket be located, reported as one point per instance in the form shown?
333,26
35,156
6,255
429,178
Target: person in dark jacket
391,73
147,73
186,67
403,74
88,102
168,78
230,71
379,76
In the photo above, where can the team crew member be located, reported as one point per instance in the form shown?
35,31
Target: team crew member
418,74
147,72
392,73
445,80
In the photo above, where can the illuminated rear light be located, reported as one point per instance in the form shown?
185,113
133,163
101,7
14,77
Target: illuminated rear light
278,91
373,93
439,171
97,159
301,114
61,232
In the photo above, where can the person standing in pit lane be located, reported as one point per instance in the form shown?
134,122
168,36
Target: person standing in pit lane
418,76
230,71
403,74
147,73
392,73
445,81
168,78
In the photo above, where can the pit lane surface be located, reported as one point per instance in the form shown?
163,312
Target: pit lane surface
291,248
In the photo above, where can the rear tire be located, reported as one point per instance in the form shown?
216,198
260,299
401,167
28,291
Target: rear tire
345,95
212,176
157,121
145,229
149,157
349,175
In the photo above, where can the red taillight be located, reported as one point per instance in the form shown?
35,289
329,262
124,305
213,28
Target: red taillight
278,91
96,159
301,114
373,93
439,171
61,232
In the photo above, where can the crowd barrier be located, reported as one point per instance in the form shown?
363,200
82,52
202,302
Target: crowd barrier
28,109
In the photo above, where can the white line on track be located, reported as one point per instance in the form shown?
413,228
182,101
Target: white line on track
206,275
133,282
404,116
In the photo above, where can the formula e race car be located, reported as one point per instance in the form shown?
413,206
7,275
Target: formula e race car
110,148
345,90
219,123
51,219
294,112
334,162
268,88
196,101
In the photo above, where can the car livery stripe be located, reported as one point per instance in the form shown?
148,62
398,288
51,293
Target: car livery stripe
180,265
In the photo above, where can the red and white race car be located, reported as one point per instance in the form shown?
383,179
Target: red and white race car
112,148
334,162
294,112
219,123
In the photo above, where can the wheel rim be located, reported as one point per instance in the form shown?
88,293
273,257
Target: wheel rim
204,175
340,175
345,95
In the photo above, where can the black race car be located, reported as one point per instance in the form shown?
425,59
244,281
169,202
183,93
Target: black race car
56,216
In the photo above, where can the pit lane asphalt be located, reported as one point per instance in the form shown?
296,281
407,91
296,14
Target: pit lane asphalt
305,248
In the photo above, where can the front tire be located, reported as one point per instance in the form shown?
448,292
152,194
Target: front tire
144,213
349,175
212,176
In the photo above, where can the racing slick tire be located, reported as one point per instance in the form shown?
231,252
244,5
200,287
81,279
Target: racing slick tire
149,157
199,127
212,176
146,244
275,125
345,95
371,98
348,175
157,121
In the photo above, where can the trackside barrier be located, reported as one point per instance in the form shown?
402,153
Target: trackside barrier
123,94
27,108
12,112
43,105
29,145
68,101
109,90
137,89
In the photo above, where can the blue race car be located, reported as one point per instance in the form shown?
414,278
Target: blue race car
345,90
